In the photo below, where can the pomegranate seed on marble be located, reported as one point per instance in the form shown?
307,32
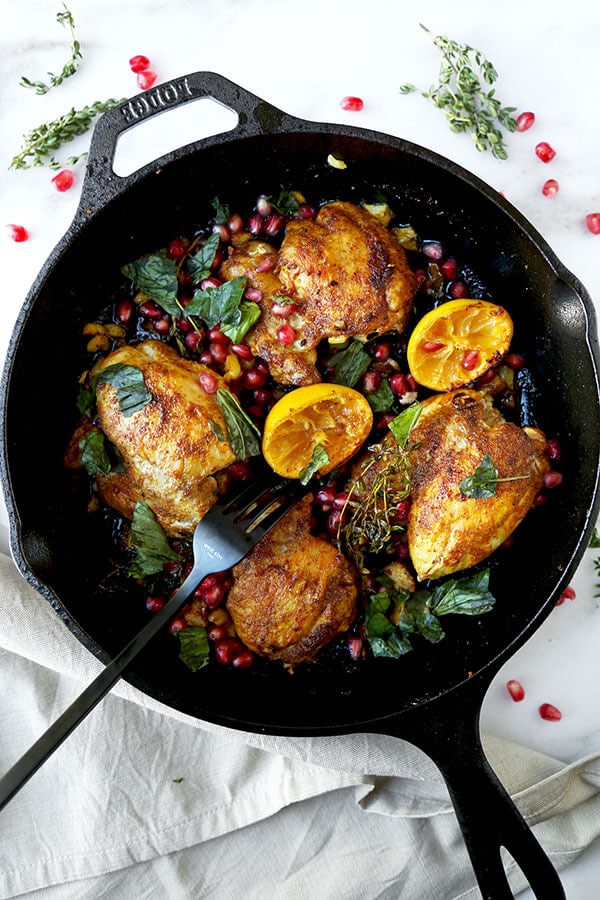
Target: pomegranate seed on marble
470,360
139,63
552,479
146,79
352,104
17,233
550,713
592,221
524,121
545,152
286,335
567,594
550,188
515,689
63,180
209,382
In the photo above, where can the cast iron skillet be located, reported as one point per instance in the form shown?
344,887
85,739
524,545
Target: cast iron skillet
431,697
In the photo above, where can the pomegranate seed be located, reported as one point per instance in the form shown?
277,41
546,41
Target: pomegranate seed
254,378
216,336
515,689
550,713
371,381
263,205
402,550
210,282
235,223
213,596
63,180
325,498
274,225
352,104
554,448
139,63
286,335
399,384
284,311
162,325
243,660
227,649
334,520
514,361
218,352
191,341
524,121
340,500
176,249
592,220
355,647
262,397
402,510
153,604
458,289
550,188
306,211
124,311
384,419
216,633
470,360
432,250
567,594
382,351
209,382
178,624
255,224
267,263
253,294
552,479
17,233
146,79
242,350
545,152
432,346
223,231
150,310
449,269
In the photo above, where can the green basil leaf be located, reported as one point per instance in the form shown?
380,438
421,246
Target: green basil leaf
350,364
483,482
394,646
285,203
193,642
243,434
85,401
249,313
152,549
156,275
429,626
225,306
381,399
469,595
199,265
403,424
221,211
319,458
94,456
129,383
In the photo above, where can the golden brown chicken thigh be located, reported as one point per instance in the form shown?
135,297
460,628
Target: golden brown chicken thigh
294,592
448,531
170,447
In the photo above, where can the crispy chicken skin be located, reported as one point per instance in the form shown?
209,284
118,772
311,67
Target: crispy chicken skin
169,447
347,274
293,364
294,592
447,531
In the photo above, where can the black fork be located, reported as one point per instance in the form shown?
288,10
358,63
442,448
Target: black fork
221,539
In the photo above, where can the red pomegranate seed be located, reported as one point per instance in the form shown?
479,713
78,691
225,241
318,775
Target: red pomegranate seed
552,479
267,263
210,282
254,378
219,353
592,220
470,360
382,351
253,294
124,311
544,151
550,188
240,469
243,660
306,211
153,603
333,521
399,384
550,712
515,689
191,341
176,249
227,649
263,205
286,335
17,233
432,250
146,79
63,180
150,310
255,224
139,63
514,361
216,336
458,289
178,624
449,269
524,121
340,500
371,381
216,633
235,223
209,382
554,449
567,594
352,104
355,646
242,350
432,346
262,397
213,596
283,310
274,225
162,325
325,497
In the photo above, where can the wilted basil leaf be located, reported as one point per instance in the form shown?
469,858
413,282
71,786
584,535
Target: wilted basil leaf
403,424
130,386
483,482
225,306
198,265
156,275
243,434
94,457
469,595
285,203
381,399
193,642
350,364
319,458
221,211
152,549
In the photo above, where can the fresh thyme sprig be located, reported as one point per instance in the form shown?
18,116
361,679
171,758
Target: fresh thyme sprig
40,144
40,87
468,106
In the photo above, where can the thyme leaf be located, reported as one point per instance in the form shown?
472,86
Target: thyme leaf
70,67
462,94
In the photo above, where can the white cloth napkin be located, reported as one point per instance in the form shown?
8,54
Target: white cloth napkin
143,801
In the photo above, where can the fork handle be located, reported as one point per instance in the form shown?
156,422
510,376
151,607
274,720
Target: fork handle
53,737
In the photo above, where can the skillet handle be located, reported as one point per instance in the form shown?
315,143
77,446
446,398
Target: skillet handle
489,820
255,117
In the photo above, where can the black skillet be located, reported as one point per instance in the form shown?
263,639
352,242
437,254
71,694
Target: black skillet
433,696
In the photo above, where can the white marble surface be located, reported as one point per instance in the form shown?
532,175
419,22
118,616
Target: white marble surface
304,59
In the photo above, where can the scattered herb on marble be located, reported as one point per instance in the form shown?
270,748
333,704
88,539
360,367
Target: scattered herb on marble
468,105
70,67
40,144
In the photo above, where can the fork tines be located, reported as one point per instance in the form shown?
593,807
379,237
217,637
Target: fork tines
258,507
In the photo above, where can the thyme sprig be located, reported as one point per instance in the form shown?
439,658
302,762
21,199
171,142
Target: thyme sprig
40,144
468,106
70,67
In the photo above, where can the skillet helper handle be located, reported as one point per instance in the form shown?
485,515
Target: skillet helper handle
53,737
489,820
255,117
